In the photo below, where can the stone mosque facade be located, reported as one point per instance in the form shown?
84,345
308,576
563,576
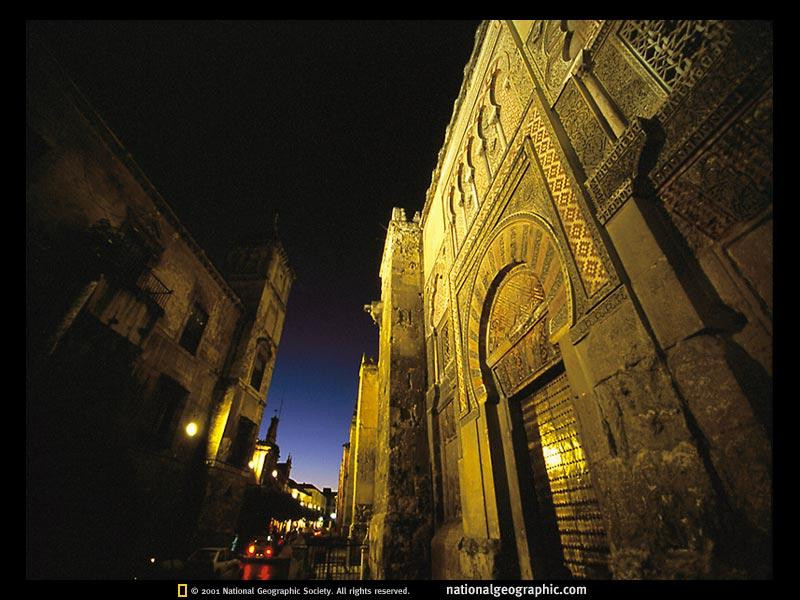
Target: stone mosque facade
574,376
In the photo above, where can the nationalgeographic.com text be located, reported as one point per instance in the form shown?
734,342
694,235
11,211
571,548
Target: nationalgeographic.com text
542,589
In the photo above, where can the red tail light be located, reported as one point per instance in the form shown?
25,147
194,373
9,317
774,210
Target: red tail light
268,551
251,549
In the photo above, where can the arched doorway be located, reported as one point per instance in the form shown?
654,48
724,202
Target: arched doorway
520,369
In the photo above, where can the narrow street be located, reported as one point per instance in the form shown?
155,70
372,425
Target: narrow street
260,571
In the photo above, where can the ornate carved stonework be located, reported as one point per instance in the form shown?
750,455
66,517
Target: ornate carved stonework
474,157
728,184
514,308
445,337
669,47
557,199
477,61
504,95
580,235
535,249
546,43
612,183
627,81
527,359
587,137
438,296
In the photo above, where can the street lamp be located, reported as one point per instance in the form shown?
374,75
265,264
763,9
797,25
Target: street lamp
191,429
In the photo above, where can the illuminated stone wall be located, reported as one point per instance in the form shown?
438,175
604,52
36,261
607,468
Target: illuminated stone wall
347,479
401,525
589,230
365,449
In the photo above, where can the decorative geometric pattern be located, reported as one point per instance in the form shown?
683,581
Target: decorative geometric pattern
728,184
590,266
669,47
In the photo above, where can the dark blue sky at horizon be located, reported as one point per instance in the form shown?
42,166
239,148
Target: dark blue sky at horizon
328,123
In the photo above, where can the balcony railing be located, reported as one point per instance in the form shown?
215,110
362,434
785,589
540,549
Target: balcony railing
125,257
149,283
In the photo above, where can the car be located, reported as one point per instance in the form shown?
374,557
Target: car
264,547
213,563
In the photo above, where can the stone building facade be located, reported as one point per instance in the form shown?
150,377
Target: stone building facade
148,370
576,333
344,496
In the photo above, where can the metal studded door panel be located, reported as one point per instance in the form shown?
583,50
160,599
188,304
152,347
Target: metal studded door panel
561,478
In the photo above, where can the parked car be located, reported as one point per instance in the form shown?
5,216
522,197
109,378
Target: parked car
213,563
264,547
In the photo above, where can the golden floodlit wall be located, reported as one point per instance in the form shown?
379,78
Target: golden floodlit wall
597,304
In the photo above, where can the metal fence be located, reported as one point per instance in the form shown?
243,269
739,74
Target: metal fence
333,560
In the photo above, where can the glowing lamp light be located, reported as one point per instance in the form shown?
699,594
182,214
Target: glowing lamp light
552,457
252,464
191,429
275,473
152,560
251,549
294,494
333,515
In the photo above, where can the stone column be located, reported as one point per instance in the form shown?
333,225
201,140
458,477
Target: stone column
401,527
364,449
609,116
347,494
341,493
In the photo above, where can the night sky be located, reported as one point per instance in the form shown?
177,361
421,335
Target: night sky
330,124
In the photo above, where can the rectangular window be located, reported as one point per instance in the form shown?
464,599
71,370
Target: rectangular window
242,449
193,331
169,401
259,365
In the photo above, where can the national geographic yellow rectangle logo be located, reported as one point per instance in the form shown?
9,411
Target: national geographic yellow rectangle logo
182,590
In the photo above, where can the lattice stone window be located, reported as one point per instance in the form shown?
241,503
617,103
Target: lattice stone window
670,47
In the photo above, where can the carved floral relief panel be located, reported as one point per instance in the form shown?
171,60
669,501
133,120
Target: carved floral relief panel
590,142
